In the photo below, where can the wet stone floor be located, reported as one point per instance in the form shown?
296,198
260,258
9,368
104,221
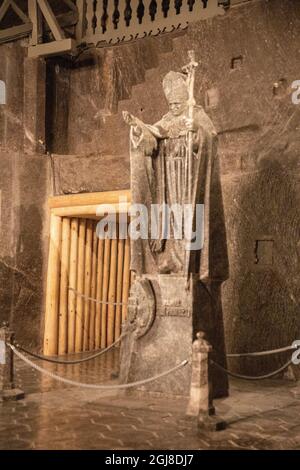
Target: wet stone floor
260,415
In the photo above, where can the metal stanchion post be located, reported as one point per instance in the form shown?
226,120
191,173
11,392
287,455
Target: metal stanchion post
7,386
201,402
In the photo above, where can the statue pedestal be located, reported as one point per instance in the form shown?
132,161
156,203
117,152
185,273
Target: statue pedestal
164,314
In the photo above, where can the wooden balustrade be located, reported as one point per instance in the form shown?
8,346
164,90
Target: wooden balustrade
117,21
101,22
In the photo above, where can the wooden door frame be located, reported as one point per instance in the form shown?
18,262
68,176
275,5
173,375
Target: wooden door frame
79,206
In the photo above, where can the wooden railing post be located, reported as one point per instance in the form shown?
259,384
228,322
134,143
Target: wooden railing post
53,284
89,17
7,386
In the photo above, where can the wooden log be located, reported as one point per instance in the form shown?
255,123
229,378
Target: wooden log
91,211
64,288
106,268
49,16
100,263
87,282
126,279
88,199
53,284
93,290
80,286
36,19
120,268
112,292
72,298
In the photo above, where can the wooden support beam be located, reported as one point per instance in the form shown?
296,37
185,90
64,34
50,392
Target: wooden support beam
107,248
90,211
64,288
10,3
33,26
10,34
80,286
126,279
61,45
93,290
52,48
36,20
100,263
89,199
87,283
3,9
118,321
112,292
52,295
72,298
51,20
19,12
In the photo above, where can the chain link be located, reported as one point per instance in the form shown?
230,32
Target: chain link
76,361
249,377
95,386
263,353
91,299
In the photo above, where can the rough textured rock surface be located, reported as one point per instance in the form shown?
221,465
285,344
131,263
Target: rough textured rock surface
24,185
248,61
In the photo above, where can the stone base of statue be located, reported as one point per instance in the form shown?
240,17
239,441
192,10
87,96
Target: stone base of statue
165,312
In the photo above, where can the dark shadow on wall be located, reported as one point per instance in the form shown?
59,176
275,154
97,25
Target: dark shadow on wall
57,104
219,271
211,318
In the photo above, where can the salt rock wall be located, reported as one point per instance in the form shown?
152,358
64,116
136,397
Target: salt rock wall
24,185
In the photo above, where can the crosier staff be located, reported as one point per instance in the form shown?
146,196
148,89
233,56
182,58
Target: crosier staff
190,70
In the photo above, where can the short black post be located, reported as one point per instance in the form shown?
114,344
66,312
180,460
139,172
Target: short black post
7,385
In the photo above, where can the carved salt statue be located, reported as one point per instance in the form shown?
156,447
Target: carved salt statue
170,300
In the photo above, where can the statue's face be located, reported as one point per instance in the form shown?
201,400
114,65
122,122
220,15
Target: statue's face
177,107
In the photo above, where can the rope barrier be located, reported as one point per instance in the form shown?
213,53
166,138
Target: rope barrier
248,377
94,386
76,361
263,353
86,297
103,351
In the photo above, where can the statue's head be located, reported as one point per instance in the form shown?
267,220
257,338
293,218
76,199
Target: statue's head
176,91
